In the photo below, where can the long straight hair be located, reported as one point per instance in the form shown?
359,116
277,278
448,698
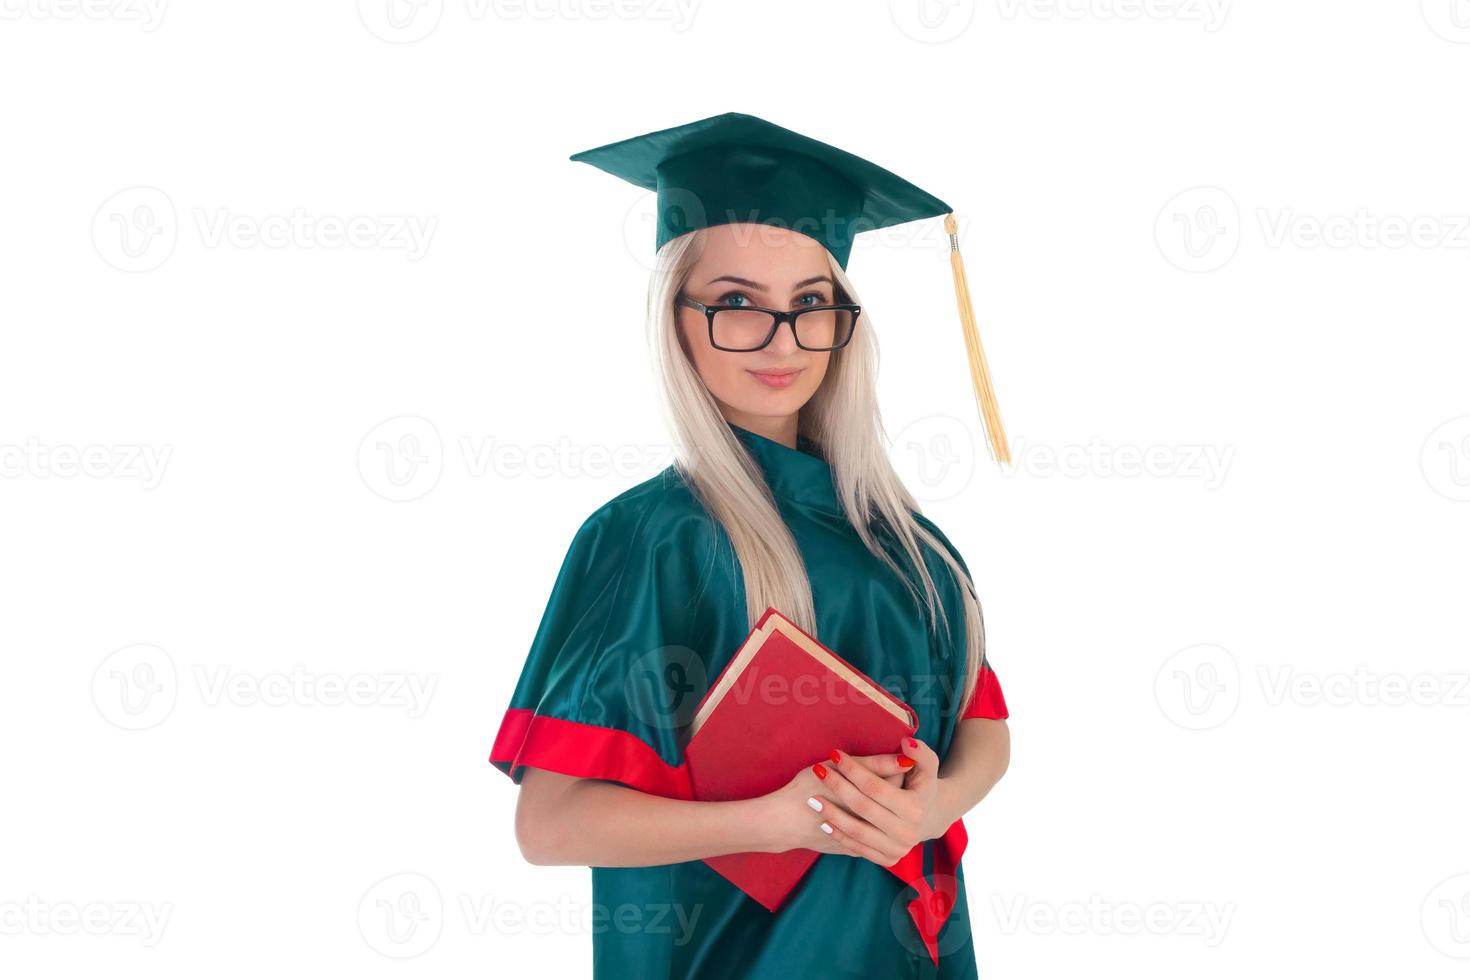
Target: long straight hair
842,418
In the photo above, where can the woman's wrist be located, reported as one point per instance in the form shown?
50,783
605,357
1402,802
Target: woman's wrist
947,808
764,826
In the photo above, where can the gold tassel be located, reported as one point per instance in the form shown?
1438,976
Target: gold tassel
995,433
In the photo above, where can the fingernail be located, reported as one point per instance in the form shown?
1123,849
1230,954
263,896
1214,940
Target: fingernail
913,743
814,803
826,827
820,770
835,756
905,762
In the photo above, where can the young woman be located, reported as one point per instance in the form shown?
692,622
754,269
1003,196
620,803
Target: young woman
782,496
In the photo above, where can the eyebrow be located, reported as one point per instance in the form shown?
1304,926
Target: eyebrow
749,284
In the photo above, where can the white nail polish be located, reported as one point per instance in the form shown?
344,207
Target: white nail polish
814,803
826,827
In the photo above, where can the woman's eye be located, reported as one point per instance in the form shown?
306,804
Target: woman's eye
811,299
734,299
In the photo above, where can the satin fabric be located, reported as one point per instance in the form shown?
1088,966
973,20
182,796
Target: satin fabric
647,609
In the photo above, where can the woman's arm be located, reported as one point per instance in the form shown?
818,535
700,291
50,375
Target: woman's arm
978,756
564,819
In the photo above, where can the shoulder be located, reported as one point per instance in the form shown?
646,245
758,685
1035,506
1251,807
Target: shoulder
658,511
934,529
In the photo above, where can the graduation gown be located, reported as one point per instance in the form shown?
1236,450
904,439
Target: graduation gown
647,609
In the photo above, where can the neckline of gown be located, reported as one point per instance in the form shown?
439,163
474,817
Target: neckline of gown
800,475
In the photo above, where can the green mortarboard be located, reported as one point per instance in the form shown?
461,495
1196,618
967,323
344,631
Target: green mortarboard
735,168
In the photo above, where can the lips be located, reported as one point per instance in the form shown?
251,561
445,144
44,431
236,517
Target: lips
776,379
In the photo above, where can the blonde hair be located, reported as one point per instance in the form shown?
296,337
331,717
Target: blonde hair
842,417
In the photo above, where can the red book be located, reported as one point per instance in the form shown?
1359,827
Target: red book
783,702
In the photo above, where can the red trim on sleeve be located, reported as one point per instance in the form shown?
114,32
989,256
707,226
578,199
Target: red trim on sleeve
989,701
586,751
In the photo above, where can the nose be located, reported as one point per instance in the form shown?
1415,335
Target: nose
785,340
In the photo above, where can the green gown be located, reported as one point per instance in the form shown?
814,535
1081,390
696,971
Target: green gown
647,609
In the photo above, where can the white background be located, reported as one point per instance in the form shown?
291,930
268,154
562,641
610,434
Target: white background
1219,253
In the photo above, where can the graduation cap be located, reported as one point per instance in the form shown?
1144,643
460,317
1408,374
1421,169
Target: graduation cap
735,168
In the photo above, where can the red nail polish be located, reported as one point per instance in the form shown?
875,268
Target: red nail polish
820,770
835,756
912,743
905,762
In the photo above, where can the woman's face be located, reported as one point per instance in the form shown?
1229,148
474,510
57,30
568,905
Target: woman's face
749,264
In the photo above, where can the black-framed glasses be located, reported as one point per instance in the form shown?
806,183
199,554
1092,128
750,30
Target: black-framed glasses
748,328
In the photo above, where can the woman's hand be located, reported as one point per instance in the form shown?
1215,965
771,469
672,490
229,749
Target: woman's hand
875,807
792,821
875,819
